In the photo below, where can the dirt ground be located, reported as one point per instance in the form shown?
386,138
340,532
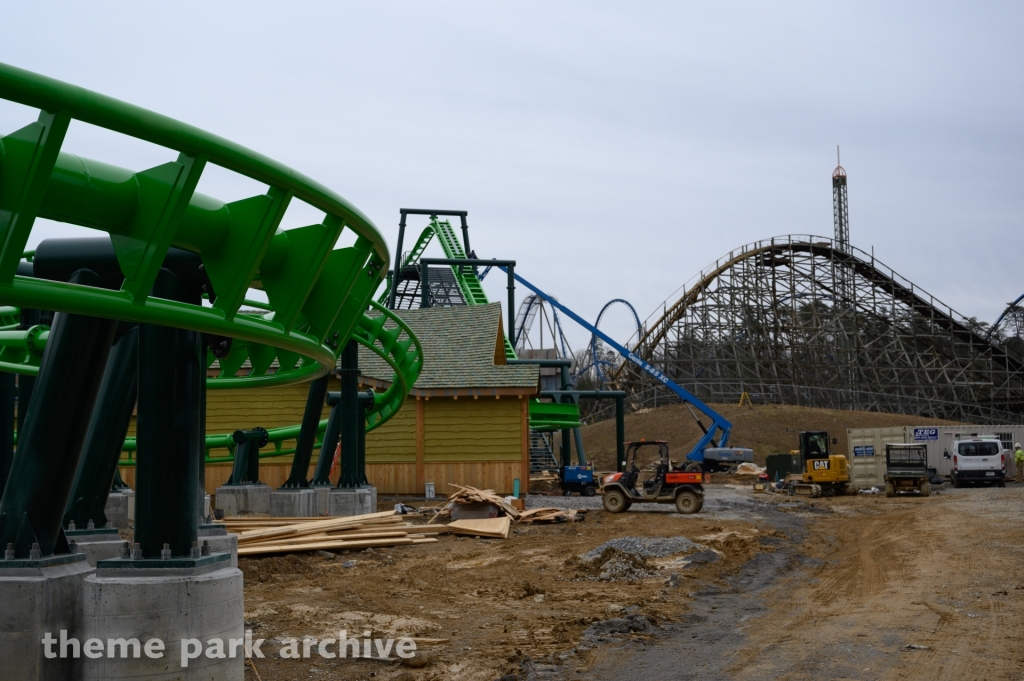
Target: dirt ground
795,589
767,429
481,607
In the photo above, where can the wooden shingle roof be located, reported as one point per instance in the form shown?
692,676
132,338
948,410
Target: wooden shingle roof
462,348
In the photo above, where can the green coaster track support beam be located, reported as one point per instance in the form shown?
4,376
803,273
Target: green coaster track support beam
349,374
108,425
246,470
39,484
322,474
171,372
307,435
6,426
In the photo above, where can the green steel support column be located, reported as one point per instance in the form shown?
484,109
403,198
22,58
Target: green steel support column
23,396
26,384
56,420
322,474
566,451
108,426
169,441
365,402
6,426
350,425
620,434
201,453
307,435
581,458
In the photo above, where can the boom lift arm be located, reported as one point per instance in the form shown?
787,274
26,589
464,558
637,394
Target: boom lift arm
718,423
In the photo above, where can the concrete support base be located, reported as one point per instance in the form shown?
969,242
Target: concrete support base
294,503
323,499
220,541
117,508
346,501
239,499
36,601
98,545
171,607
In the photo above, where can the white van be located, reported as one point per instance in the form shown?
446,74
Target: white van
980,459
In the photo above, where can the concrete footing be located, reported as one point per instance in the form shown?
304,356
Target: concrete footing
97,545
36,599
346,501
239,499
294,503
117,508
220,541
172,605
323,499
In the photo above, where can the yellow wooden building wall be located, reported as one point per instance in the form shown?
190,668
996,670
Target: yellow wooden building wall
478,442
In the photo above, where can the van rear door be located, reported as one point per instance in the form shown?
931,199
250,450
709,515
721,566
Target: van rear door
978,458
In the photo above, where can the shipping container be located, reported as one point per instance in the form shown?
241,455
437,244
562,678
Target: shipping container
866,453
866,447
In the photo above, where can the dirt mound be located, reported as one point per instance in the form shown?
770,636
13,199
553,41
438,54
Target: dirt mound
767,429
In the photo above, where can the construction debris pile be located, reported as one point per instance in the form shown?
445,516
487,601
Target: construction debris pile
483,513
265,536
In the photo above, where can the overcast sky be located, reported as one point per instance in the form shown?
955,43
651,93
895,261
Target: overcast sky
613,150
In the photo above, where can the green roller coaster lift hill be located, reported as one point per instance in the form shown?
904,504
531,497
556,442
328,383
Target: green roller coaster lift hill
317,294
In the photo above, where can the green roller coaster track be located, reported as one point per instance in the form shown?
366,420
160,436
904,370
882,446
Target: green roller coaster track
544,416
467,280
317,294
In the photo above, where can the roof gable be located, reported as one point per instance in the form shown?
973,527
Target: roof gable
463,347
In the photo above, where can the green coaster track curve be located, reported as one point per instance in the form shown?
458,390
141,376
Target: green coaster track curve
317,294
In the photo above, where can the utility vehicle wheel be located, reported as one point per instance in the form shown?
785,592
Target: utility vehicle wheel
890,489
693,467
700,503
926,489
615,501
589,491
688,502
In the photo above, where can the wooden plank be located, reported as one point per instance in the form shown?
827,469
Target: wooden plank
311,527
323,537
260,549
498,528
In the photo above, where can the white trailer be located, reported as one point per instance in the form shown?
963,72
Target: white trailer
866,447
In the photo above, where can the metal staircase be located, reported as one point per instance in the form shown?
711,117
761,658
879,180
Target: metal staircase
542,456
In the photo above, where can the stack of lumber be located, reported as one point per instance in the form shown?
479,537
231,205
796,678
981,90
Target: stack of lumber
551,515
265,536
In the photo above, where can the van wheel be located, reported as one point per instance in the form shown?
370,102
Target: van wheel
688,502
1002,483
890,489
925,488
956,483
615,501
